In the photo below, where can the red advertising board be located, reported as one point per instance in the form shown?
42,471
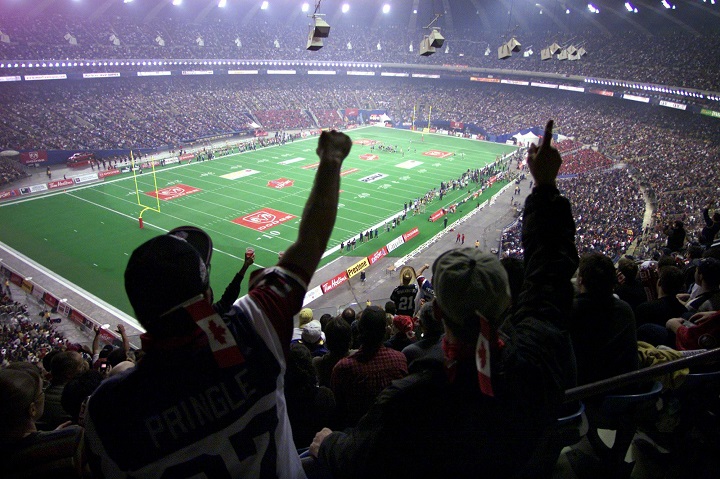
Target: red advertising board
60,183
437,215
352,112
30,157
411,234
187,156
377,255
9,194
334,283
16,279
77,317
50,300
261,133
601,92
457,125
106,173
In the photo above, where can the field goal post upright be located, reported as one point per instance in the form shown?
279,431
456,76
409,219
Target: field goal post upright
137,189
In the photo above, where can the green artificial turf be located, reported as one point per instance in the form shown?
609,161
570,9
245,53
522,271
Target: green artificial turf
86,234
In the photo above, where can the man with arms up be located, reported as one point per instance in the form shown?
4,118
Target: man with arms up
207,399
480,409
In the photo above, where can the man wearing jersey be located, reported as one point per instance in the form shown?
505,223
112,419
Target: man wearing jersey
207,399
404,294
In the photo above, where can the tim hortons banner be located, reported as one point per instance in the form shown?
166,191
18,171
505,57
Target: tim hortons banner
334,283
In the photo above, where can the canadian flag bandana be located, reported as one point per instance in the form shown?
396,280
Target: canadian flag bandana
222,342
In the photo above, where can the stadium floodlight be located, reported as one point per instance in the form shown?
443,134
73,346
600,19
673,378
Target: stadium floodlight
630,8
436,39
504,52
667,5
320,27
426,47
127,1
567,11
305,7
386,9
264,5
593,8
345,8
314,43
514,45
177,3
222,4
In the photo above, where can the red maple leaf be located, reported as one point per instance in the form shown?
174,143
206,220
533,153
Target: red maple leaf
482,352
217,332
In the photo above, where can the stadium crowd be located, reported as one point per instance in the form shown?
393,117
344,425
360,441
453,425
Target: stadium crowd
668,57
677,171
420,351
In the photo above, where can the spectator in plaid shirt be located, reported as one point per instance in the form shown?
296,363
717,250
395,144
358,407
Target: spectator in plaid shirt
359,378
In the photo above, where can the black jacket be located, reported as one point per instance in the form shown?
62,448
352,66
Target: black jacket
425,425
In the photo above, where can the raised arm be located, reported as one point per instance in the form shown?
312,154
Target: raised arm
548,238
320,210
232,291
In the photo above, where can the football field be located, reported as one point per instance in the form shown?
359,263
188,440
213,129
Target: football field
86,234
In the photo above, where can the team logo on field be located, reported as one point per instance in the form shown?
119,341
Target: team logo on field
437,153
173,192
369,157
364,142
264,219
280,183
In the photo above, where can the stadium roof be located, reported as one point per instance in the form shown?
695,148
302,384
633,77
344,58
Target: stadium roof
694,16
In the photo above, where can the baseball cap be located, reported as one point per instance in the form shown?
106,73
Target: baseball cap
312,332
198,239
467,280
305,316
162,273
403,323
